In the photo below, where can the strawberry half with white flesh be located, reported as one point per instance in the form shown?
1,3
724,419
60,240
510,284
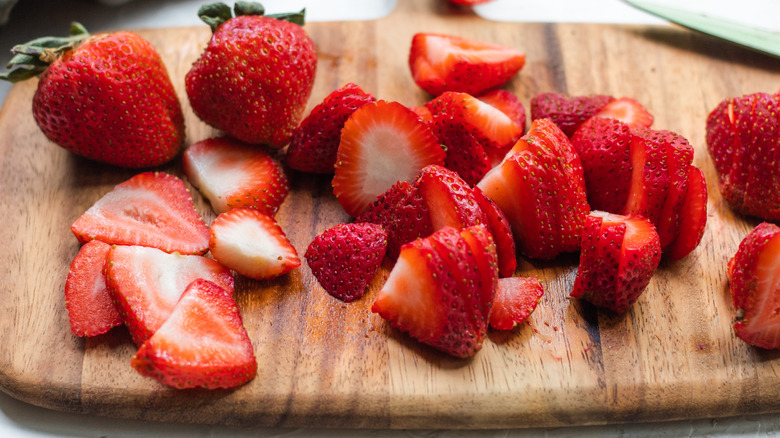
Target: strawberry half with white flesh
381,143
619,256
145,284
90,308
252,244
754,274
149,209
441,289
202,344
230,174
442,63
516,298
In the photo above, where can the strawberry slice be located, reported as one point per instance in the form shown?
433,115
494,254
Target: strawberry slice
315,142
381,143
145,284
465,155
516,298
679,159
649,178
450,200
252,244
149,209
619,256
435,291
508,103
502,233
754,274
568,112
628,111
442,63
693,217
345,258
233,174
90,309
202,344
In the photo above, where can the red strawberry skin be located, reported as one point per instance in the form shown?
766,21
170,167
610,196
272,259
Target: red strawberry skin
152,209
568,112
231,174
145,284
693,217
90,308
753,274
516,298
499,227
202,344
345,258
628,111
262,97
101,103
450,200
315,142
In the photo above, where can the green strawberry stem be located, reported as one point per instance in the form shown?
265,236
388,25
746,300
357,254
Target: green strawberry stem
33,57
214,14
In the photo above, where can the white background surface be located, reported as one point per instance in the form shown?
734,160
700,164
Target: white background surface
33,18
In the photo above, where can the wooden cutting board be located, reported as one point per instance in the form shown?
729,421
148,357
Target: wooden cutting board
328,364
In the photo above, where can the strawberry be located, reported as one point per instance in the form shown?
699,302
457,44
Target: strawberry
90,309
465,154
693,217
345,258
381,143
619,256
568,112
441,289
743,139
499,227
230,174
315,142
516,298
252,244
256,74
145,284
107,97
508,103
628,111
423,113
202,344
442,63
149,209
450,200
542,170
753,274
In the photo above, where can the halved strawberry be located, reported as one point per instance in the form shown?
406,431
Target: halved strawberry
252,244
754,274
693,217
150,209
316,140
465,154
90,309
345,258
145,284
442,63
502,233
381,143
450,200
568,112
233,174
435,291
508,103
516,298
628,111
619,256
202,344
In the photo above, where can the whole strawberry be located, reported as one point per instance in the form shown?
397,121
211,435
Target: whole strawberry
107,97
256,74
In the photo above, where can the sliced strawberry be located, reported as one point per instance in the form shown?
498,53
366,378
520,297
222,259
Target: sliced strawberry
233,174
145,284
628,111
252,244
434,294
345,258
465,155
202,344
450,200
508,103
502,233
90,308
568,112
442,63
649,178
619,256
693,217
754,276
679,159
149,209
516,299
482,246
381,143
315,142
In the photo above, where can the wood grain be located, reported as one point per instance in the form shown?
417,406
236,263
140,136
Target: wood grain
327,364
